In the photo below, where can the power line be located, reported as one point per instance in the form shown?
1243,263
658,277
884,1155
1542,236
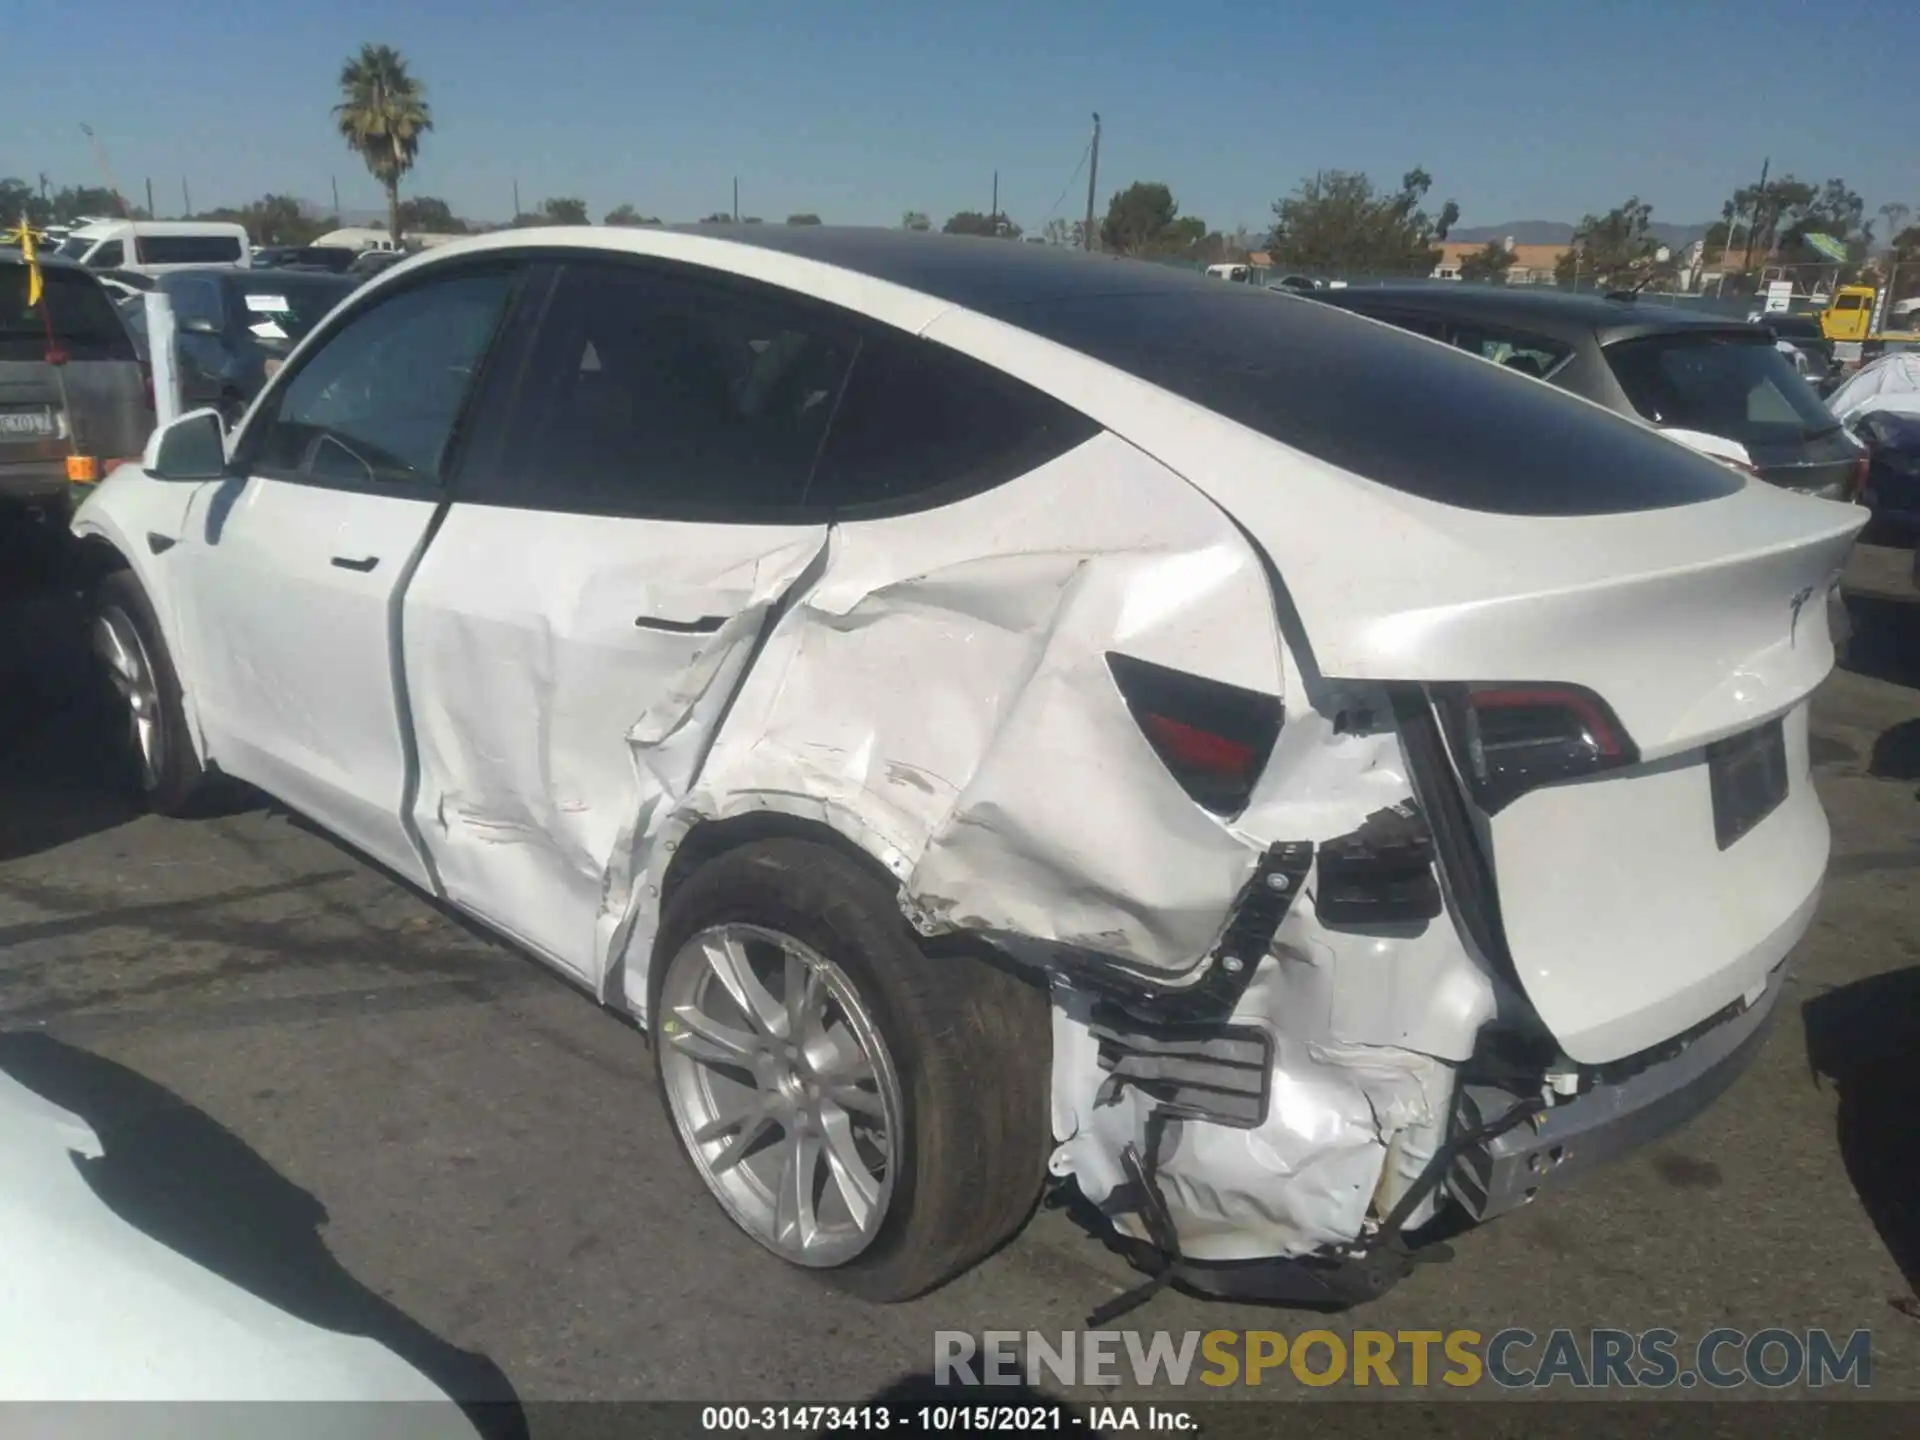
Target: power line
1069,185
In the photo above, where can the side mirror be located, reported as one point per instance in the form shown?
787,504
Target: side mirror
194,447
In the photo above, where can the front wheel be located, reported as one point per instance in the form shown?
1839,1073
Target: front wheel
859,1107
127,639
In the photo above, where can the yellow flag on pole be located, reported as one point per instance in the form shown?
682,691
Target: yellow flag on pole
24,237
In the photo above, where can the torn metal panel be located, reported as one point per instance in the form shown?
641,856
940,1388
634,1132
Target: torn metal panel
941,689
532,652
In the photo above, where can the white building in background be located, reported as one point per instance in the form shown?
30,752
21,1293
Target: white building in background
365,237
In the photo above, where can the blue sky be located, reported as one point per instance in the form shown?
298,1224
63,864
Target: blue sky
859,111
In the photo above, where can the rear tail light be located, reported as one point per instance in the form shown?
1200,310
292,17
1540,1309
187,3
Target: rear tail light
1212,737
1513,738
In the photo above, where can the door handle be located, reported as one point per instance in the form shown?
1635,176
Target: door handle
705,625
363,565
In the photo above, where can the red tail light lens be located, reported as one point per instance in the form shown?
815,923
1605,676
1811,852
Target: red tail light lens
1513,738
1212,737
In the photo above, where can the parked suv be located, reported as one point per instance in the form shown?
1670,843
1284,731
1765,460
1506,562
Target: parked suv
232,327
994,712
70,382
1715,384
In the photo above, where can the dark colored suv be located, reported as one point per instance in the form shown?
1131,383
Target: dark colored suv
70,382
1677,371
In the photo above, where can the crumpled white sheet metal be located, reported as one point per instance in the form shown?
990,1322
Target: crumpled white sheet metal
1890,383
1012,794
939,695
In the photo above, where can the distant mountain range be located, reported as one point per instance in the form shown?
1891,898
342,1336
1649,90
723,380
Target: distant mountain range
1556,232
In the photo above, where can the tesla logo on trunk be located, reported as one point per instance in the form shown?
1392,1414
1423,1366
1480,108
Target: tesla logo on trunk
1798,603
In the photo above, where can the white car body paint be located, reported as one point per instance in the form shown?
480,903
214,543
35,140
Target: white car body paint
933,689
94,1310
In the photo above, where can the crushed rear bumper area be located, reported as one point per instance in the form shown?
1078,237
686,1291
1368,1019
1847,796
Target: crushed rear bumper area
1620,1113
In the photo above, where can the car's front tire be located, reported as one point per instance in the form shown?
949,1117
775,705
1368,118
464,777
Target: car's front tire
158,749
860,1107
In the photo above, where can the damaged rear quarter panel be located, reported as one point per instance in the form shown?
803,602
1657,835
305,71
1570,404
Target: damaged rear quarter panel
940,695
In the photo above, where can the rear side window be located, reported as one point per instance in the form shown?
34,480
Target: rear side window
651,392
922,425
187,249
73,304
1529,354
110,256
1736,386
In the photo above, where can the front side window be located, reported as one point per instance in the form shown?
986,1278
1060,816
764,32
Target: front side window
196,302
378,402
650,392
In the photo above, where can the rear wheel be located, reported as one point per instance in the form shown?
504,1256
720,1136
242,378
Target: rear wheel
126,637
859,1107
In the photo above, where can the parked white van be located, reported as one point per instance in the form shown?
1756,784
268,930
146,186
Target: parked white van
152,246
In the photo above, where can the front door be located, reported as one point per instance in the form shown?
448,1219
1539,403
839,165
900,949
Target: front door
290,570
621,533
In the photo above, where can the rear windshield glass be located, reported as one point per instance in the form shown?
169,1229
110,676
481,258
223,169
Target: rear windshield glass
73,304
189,249
1399,410
278,309
1736,386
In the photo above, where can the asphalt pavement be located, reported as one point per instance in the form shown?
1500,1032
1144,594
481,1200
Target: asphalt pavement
328,1089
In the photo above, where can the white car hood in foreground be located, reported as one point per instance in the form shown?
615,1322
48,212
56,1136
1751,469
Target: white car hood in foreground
93,1310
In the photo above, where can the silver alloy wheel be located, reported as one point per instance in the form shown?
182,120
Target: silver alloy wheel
117,641
783,1091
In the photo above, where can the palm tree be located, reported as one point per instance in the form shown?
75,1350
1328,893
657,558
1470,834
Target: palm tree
382,114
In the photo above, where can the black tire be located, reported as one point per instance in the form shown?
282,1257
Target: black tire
971,1043
178,785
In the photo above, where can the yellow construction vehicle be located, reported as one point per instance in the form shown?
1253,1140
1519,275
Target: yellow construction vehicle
1856,321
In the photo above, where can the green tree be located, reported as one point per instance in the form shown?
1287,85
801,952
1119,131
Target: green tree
972,222
18,198
807,218
718,217
1613,250
1336,220
71,202
915,220
1139,219
563,210
1488,265
627,215
279,220
435,216
382,116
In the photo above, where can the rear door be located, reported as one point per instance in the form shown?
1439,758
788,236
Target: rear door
629,518
290,570
70,382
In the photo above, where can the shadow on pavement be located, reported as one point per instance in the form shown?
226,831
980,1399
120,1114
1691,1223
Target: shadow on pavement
63,771
1896,754
1865,1038
174,1173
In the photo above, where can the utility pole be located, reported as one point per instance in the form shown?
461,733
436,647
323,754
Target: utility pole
334,181
1759,204
43,184
516,199
993,215
736,199
150,197
186,200
1093,179
100,154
